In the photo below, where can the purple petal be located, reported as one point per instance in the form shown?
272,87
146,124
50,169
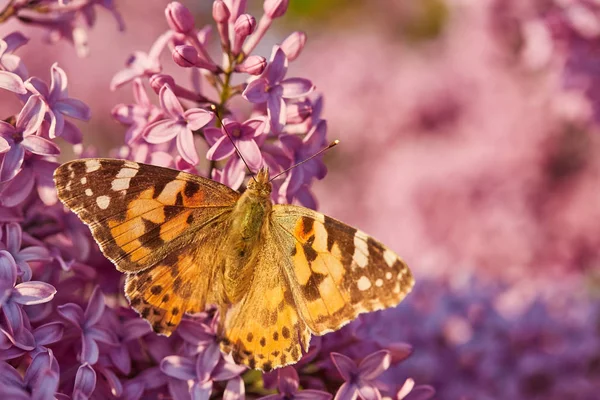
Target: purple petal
114,384
33,292
276,111
235,389
194,332
85,381
179,390
31,116
421,392
312,394
14,318
12,162
9,376
222,149
212,134
178,367
306,197
296,87
374,365
251,153
170,103
254,127
346,392
57,124
277,67
136,328
316,137
102,335
48,333
42,362
369,392
14,40
72,313
37,86
201,390
4,145
207,361
71,133
73,108
34,253
89,350
58,83
225,371
120,358
161,131
41,146
46,387
7,130
288,380
197,118
17,189
256,91
95,307
133,391
345,365
186,146
8,270
12,82
13,237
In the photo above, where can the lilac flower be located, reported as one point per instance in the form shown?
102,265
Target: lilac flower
39,383
36,173
244,137
21,138
272,89
88,324
142,64
85,382
288,388
12,82
59,104
43,335
179,125
360,379
13,295
22,256
8,61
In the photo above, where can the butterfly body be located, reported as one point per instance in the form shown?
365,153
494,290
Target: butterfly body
277,273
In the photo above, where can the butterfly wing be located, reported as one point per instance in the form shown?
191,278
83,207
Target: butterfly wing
335,272
160,225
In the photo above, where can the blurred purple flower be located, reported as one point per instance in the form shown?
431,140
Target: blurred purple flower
39,383
180,125
142,64
244,137
85,382
360,379
21,138
12,242
272,89
288,388
8,61
59,105
43,335
88,323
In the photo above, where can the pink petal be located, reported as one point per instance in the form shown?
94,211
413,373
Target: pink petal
211,135
33,292
251,153
256,91
12,82
37,86
41,146
296,87
124,76
161,131
368,392
197,118
373,365
235,389
31,116
170,103
186,146
57,123
277,68
222,149
58,83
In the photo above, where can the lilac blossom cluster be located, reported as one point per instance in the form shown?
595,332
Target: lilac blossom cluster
66,330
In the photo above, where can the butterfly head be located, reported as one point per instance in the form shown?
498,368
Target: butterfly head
260,184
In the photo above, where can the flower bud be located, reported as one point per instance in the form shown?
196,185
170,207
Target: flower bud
275,8
157,81
179,18
244,26
253,65
293,45
185,56
220,11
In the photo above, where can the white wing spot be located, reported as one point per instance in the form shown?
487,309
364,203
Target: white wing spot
88,192
127,173
388,275
92,165
361,251
103,202
389,257
83,180
379,282
396,289
131,164
120,184
363,283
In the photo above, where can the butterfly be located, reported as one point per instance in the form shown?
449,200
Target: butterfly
277,273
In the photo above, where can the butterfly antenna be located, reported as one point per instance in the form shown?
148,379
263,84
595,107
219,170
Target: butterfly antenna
214,109
332,144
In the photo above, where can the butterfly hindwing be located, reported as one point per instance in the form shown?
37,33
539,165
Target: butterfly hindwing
335,271
140,213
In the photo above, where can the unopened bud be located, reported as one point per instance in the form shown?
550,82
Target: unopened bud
157,81
244,26
185,56
179,18
220,11
293,45
253,65
275,8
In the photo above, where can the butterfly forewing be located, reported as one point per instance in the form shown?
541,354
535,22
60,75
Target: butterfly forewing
336,272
